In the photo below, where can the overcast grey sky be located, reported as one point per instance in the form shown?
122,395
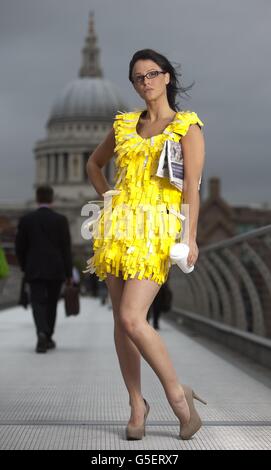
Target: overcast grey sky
223,46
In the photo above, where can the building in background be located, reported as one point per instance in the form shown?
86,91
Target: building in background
219,221
79,120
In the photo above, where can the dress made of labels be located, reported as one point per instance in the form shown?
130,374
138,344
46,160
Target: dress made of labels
140,219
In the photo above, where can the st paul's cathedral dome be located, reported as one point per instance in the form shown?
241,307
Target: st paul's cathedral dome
79,120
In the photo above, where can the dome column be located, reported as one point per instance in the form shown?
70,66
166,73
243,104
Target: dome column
75,168
51,167
60,168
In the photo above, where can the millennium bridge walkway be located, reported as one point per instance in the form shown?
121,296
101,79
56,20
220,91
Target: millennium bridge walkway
218,335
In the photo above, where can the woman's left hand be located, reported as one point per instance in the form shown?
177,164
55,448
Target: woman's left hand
193,253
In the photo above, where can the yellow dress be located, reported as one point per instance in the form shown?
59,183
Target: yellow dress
126,242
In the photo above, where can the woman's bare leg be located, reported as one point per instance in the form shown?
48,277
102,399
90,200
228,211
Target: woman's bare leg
128,355
137,296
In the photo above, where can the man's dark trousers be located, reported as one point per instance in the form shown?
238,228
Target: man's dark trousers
44,297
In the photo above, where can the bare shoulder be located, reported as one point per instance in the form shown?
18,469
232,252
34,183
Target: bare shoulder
193,140
194,132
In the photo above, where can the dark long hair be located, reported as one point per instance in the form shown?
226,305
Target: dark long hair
174,88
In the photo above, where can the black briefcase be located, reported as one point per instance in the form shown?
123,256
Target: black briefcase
24,298
71,300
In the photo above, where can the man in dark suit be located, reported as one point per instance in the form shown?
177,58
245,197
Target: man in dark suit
43,249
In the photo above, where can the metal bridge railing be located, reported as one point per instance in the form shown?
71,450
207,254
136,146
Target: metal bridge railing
231,282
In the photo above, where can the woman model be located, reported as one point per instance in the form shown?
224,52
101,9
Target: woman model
135,265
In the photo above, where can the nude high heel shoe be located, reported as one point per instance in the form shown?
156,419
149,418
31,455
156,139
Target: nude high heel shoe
195,423
137,432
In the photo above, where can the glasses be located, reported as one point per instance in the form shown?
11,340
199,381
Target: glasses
139,79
